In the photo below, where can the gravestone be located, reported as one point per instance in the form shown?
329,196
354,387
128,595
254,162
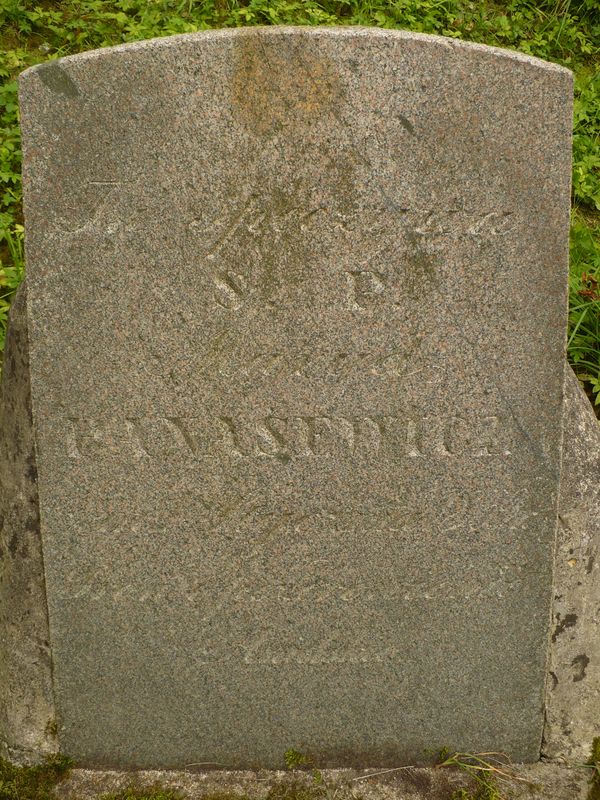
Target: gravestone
296,315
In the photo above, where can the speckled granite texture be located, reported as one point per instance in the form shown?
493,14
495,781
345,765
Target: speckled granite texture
292,297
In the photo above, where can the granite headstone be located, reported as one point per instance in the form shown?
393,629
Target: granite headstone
296,315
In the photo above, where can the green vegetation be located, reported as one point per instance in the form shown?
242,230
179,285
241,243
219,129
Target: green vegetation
584,301
487,771
486,792
38,782
594,763
480,771
565,31
294,759
32,783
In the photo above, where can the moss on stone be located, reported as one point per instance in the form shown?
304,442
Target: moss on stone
32,783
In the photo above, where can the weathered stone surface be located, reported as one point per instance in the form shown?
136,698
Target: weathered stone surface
298,481
539,781
573,692
26,703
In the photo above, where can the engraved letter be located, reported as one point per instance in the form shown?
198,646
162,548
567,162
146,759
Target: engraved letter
490,224
231,432
272,437
364,287
413,439
83,433
229,292
486,438
133,428
180,428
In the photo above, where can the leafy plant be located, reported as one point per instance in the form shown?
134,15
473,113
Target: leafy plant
11,275
584,303
586,139
294,759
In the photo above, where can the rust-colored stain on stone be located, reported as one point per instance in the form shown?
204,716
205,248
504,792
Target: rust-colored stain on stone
277,85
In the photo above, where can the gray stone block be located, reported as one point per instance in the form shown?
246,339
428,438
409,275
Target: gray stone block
292,295
541,781
27,720
573,699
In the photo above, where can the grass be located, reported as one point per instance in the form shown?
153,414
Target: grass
487,771
564,31
594,763
584,302
33,783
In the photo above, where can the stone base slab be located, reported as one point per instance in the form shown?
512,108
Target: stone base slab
543,781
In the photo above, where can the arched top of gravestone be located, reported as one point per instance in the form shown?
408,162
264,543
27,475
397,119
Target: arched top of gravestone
337,35
317,70
436,101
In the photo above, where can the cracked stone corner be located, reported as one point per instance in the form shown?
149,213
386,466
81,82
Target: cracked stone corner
573,687
27,716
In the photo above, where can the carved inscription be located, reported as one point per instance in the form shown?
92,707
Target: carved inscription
392,436
339,365
102,208
365,287
287,438
229,290
260,225
457,223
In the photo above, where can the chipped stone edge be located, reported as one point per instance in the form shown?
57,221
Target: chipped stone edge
572,705
27,711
